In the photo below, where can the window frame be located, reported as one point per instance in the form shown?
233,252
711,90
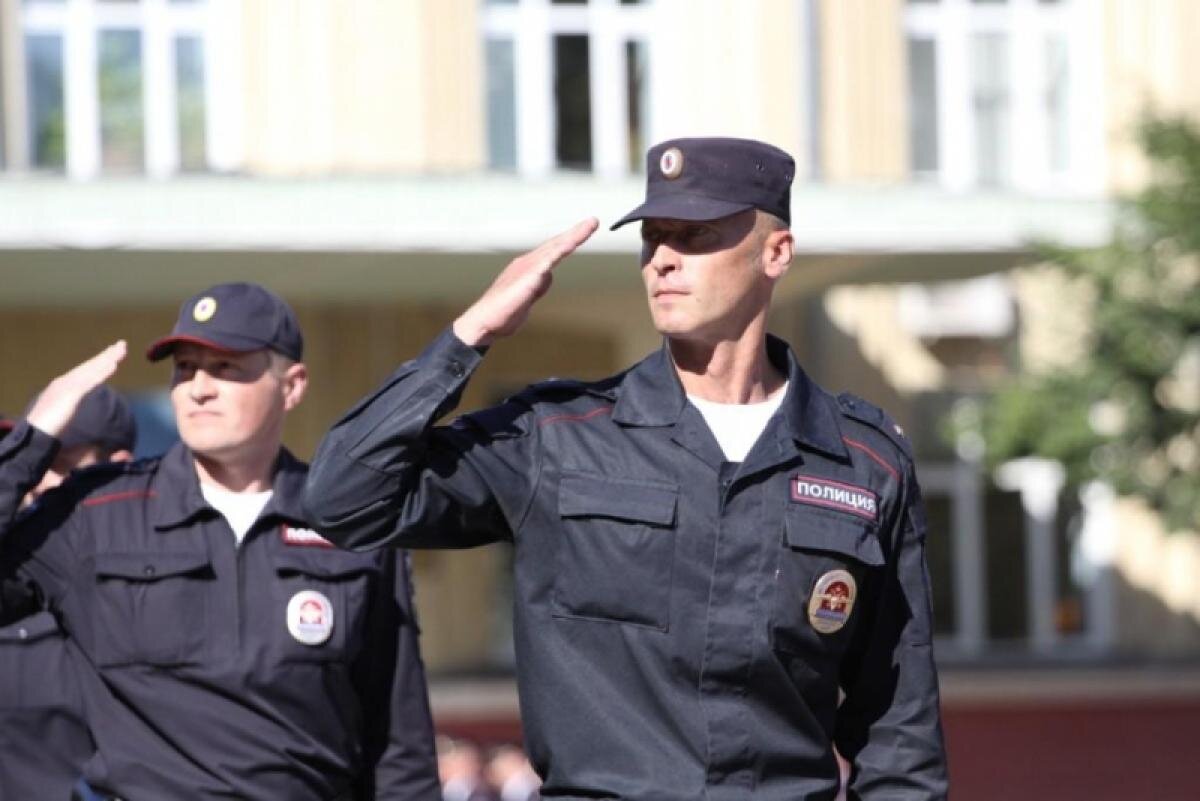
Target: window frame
531,26
1027,24
159,23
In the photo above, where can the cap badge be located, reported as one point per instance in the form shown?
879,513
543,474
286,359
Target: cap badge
205,308
671,163
310,617
832,601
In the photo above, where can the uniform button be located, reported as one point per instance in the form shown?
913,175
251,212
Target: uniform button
456,369
23,633
148,570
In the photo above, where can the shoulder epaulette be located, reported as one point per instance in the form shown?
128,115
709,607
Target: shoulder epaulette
869,414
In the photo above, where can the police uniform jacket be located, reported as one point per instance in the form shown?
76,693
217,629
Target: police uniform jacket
43,739
668,642
195,687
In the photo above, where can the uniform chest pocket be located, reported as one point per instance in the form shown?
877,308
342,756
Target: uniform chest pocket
616,549
825,564
151,608
320,604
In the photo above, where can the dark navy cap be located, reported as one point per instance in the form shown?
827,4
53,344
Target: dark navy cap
103,418
235,318
711,178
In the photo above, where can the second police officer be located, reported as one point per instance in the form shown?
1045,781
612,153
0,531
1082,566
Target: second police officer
709,548
229,651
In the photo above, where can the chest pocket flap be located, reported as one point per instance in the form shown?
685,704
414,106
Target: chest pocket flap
324,563
150,566
809,531
582,495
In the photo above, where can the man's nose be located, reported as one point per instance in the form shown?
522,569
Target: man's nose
201,386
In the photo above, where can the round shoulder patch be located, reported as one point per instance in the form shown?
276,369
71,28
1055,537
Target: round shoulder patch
310,617
204,309
832,601
671,163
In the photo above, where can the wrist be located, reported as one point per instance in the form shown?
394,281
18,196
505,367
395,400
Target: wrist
471,333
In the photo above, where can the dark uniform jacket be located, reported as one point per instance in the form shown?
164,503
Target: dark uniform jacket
667,603
194,686
43,739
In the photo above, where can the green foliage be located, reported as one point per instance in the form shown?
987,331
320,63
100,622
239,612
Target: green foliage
1129,412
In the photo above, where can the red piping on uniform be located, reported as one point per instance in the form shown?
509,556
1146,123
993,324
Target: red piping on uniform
853,443
118,496
575,418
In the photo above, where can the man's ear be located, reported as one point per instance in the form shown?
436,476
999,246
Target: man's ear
777,253
295,382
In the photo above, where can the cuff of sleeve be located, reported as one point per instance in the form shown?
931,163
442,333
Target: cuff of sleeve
452,359
30,445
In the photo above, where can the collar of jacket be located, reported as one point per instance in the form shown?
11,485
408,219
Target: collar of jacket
177,499
651,395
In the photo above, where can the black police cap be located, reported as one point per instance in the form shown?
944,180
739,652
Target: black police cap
104,419
234,318
714,177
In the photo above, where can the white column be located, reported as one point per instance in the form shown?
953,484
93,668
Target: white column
81,90
158,91
609,104
956,118
970,574
1039,481
534,61
1096,555
1028,129
224,119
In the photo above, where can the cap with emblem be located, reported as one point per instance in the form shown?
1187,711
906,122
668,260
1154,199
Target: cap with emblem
711,178
234,317
104,419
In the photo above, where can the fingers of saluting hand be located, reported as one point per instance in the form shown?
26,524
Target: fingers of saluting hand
56,405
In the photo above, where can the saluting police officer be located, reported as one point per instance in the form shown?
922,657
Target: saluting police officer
233,653
44,740
709,546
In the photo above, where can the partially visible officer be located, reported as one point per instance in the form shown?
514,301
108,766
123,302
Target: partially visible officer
44,740
709,547
234,653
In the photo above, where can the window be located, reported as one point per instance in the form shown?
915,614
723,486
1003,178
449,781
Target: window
118,86
567,84
44,92
1002,94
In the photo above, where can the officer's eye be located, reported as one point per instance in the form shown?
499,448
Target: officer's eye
651,236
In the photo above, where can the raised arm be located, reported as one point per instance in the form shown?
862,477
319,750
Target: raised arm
385,474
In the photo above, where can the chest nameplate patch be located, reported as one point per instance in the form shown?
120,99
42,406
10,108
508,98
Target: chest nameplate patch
835,495
304,536
310,617
832,601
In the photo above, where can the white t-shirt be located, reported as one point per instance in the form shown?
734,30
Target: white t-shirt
240,509
737,426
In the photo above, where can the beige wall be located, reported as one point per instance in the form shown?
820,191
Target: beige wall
864,91
731,68
1151,61
13,138
362,86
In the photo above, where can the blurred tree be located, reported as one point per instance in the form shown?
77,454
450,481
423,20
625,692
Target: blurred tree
1128,412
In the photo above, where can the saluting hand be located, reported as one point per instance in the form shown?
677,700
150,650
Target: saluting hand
503,308
58,402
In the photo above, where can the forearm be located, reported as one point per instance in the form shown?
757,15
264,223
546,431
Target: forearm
383,474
